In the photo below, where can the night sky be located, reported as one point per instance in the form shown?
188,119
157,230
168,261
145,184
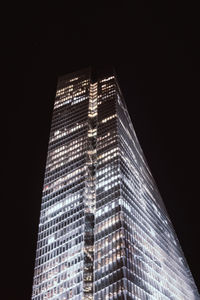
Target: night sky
154,50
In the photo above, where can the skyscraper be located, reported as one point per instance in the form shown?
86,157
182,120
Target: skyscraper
104,232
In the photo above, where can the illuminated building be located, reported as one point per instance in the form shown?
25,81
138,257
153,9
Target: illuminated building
104,232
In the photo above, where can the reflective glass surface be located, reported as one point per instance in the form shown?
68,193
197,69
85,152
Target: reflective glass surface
104,232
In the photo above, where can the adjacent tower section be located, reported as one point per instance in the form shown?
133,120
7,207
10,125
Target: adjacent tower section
104,232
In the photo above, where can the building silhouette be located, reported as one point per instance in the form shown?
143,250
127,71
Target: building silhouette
104,232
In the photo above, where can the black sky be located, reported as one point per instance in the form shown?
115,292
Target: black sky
154,49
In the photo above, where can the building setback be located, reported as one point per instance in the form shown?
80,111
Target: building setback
104,232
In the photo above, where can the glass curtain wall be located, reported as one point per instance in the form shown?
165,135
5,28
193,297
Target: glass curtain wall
104,232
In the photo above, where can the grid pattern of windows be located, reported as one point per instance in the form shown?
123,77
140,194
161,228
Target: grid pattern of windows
60,259
104,232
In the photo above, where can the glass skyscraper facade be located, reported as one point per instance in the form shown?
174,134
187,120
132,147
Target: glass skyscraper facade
104,232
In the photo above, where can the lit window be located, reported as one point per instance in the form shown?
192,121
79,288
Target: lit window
109,118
